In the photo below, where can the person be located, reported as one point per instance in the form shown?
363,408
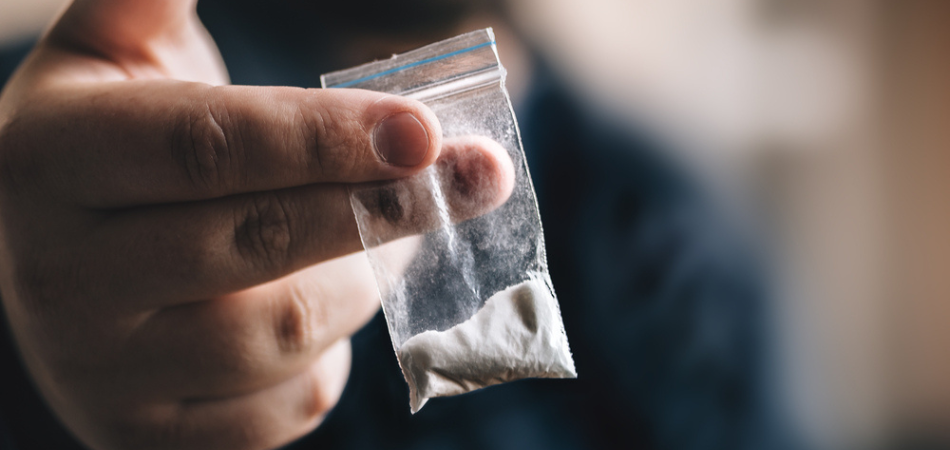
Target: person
181,268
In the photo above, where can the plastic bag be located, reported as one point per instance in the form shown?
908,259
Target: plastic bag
474,305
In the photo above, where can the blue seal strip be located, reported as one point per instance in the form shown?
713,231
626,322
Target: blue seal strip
407,66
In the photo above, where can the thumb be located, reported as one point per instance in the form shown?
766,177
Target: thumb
143,37
108,27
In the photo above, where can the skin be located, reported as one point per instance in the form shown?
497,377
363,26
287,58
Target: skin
179,261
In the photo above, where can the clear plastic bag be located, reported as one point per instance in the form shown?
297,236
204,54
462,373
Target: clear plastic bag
473,305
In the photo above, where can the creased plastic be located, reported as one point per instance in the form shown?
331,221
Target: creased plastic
434,286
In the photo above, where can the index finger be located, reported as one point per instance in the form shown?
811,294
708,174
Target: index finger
143,142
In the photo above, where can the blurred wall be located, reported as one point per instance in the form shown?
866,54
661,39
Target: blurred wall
726,73
775,100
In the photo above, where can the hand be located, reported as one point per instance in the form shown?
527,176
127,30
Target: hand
173,250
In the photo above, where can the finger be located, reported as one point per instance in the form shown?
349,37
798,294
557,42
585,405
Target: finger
130,143
179,253
254,338
277,415
467,182
264,419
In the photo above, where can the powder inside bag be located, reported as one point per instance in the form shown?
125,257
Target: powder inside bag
516,334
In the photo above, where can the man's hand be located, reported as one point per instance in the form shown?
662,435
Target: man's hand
173,249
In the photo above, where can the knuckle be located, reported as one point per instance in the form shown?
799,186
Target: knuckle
205,147
263,234
334,139
298,320
325,387
320,401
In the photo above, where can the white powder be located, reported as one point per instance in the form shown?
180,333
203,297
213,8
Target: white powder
517,334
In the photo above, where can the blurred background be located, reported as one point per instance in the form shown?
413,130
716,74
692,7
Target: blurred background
825,127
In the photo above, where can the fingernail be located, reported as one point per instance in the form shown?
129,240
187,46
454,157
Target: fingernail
401,140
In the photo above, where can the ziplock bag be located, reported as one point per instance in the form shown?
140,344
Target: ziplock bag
469,302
